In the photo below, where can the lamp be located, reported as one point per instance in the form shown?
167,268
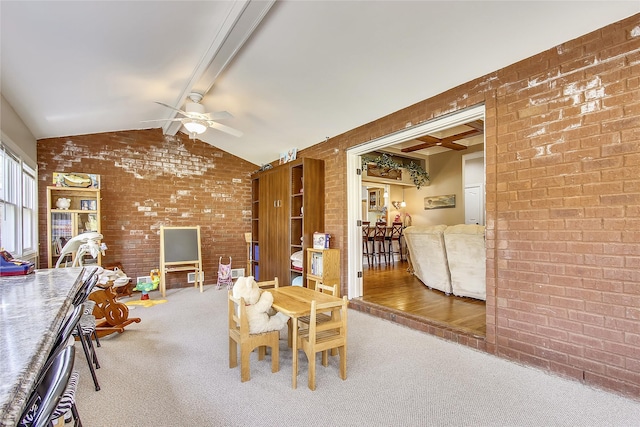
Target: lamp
195,126
403,204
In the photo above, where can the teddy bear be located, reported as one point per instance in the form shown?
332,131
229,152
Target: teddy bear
258,306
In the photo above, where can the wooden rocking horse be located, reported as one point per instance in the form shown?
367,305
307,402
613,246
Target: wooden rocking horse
114,314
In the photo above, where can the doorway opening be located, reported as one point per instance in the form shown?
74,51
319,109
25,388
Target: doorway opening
358,272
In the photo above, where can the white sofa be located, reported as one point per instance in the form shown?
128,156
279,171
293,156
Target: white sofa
451,259
466,256
428,255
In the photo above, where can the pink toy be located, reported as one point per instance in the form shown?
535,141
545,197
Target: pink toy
224,274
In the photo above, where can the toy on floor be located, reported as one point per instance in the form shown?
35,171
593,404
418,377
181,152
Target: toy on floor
116,276
146,287
258,305
224,274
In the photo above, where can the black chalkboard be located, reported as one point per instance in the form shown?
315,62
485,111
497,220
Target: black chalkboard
180,244
180,251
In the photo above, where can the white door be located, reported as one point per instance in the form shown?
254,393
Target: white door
473,206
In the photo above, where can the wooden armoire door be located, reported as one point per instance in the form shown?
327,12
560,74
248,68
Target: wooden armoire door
274,225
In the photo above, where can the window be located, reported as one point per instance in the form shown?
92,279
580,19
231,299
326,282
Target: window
18,201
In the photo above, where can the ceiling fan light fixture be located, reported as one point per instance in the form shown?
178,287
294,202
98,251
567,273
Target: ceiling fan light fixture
195,126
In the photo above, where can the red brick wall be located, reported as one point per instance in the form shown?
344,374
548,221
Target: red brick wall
150,180
563,203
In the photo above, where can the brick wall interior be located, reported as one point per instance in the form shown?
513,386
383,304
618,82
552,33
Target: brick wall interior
149,180
562,133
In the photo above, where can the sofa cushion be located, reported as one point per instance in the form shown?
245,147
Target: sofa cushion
428,256
466,256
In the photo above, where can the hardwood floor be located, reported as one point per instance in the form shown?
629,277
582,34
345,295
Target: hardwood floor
394,288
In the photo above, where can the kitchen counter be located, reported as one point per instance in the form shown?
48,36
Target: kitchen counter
32,309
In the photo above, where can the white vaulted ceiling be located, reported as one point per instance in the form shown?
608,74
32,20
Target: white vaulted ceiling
291,72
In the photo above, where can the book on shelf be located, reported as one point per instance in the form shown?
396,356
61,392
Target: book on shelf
316,264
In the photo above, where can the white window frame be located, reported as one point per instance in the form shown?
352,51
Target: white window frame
18,191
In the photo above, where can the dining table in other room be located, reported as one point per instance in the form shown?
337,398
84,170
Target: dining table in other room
295,302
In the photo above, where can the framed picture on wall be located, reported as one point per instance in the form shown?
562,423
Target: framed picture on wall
440,202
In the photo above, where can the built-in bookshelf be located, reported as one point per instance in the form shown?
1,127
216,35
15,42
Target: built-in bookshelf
81,215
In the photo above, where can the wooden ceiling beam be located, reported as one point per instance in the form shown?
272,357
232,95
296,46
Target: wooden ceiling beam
476,124
453,146
448,142
463,135
429,141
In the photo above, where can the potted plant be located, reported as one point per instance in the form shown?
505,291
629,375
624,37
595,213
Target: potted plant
386,167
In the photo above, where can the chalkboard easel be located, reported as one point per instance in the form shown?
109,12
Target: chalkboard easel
180,251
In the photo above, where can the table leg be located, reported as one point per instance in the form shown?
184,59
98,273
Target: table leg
294,379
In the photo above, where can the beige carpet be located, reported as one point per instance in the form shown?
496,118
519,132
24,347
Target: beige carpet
172,370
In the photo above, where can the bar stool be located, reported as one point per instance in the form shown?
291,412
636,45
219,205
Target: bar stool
394,236
379,240
367,238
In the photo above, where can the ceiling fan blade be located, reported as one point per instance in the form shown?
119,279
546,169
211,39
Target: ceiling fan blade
184,113
161,120
219,115
225,128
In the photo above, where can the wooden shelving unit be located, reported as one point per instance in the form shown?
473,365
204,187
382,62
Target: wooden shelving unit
82,215
287,208
323,265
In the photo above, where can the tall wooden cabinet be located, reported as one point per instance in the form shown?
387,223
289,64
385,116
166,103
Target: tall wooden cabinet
287,208
83,214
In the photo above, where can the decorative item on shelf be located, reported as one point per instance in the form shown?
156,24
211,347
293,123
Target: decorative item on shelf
288,156
78,180
88,205
63,203
321,240
91,224
265,167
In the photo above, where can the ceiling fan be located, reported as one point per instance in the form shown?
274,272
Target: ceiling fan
196,121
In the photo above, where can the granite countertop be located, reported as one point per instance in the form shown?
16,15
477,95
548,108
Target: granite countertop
32,309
